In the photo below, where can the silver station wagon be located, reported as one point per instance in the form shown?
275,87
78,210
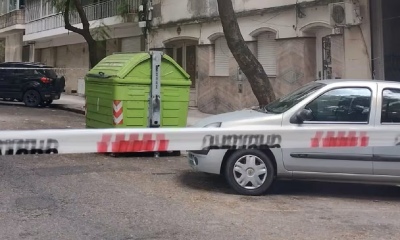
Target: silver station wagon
356,104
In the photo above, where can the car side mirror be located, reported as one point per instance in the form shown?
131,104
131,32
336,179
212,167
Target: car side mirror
301,116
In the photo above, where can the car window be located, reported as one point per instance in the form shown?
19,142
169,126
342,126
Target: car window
48,72
390,106
283,104
342,105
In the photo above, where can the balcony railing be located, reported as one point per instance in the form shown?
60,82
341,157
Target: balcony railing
12,18
93,12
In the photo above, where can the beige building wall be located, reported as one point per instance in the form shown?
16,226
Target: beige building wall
13,47
357,47
71,61
296,64
218,94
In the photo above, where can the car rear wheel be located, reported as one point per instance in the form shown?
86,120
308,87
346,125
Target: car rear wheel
32,98
249,172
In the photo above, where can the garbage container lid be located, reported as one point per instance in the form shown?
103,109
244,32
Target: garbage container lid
121,64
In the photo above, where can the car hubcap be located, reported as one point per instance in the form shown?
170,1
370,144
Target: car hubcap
32,98
250,172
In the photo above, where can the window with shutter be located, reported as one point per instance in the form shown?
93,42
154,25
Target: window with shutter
266,54
222,56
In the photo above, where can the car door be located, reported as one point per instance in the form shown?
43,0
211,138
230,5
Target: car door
5,83
2,83
18,79
338,107
387,159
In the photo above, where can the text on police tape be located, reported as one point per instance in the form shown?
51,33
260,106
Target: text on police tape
28,146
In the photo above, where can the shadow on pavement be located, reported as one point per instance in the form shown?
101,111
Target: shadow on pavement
215,183
336,190
54,106
10,103
205,182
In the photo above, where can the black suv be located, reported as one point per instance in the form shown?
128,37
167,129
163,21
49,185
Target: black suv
35,84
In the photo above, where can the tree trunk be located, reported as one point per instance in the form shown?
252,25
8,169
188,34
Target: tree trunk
93,53
84,32
247,62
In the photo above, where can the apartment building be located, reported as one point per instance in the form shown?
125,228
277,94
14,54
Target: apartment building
52,44
12,26
295,41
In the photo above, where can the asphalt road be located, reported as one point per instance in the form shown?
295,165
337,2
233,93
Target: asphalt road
93,196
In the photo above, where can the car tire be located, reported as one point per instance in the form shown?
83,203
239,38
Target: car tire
255,166
32,98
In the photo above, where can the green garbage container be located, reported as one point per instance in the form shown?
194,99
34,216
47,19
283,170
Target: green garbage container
119,92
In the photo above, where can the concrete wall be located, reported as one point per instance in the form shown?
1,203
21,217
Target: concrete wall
71,61
112,46
283,22
75,60
188,9
69,53
296,64
221,94
13,47
357,43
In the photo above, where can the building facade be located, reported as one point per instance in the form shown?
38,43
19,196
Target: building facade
53,45
295,42
12,26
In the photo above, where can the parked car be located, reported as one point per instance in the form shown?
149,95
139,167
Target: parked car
35,84
333,104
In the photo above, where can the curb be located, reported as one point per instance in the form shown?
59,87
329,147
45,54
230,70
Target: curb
68,109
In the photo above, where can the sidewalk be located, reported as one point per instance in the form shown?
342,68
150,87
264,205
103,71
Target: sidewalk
76,104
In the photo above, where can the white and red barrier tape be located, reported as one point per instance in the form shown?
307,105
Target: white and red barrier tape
179,139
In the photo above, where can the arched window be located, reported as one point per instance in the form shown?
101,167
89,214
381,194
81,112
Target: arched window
221,57
266,52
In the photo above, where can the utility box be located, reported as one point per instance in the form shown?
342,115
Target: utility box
137,90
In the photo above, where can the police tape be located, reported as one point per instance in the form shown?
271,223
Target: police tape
76,141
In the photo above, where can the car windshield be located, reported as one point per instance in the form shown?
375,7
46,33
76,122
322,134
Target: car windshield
284,103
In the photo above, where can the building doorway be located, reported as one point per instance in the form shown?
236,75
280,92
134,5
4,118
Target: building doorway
329,51
184,52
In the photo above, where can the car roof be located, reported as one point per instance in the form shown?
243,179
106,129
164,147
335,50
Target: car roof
332,81
30,64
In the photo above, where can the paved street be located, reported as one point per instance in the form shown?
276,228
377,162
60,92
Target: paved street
93,196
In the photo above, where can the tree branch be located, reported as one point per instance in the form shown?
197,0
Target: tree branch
82,14
84,32
67,24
